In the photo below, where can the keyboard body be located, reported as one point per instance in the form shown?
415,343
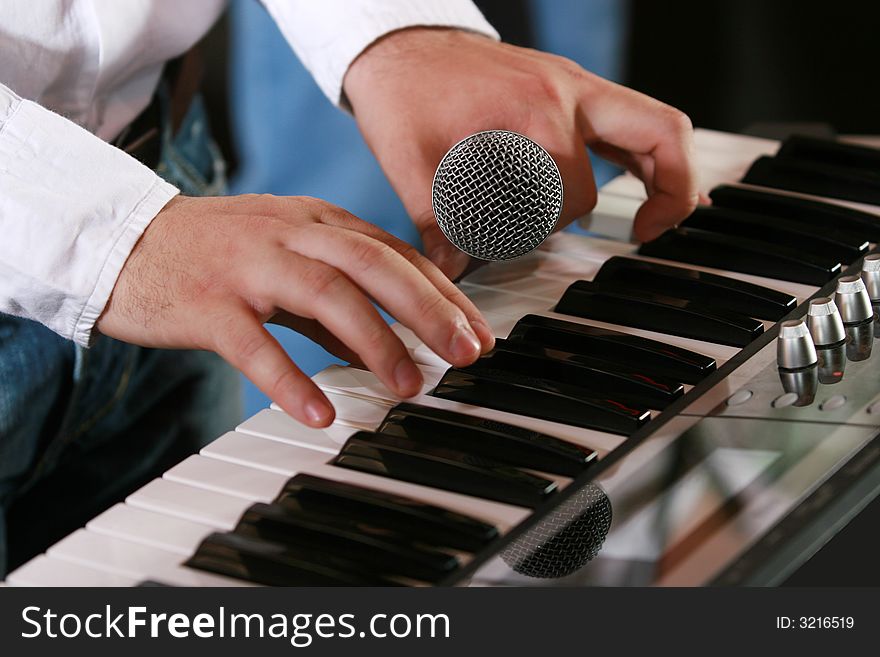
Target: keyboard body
736,477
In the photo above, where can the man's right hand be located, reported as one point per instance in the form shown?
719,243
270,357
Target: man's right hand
209,272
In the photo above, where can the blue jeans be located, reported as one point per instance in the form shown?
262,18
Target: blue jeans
82,428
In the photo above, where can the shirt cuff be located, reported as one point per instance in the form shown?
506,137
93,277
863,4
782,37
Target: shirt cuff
72,208
328,36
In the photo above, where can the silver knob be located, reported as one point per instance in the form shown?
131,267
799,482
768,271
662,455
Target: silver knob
871,275
852,300
794,346
825,323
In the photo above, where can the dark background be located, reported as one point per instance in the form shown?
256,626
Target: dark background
735,65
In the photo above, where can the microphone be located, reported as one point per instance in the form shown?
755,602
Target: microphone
566,539
497,195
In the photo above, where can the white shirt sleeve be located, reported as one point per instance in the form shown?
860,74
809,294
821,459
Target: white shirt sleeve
328,35
72,208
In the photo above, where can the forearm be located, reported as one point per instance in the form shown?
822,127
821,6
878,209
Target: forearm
71,209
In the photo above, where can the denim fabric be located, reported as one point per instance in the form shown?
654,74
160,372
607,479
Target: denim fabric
82,428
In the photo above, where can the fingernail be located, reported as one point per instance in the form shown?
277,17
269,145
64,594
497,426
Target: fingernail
318,412
407,378
481,328
464,346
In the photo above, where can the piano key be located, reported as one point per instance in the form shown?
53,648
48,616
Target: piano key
518,394
739,254
263,562
821,179
228,478
190,503
578,248
150,528
830,151
598,441
815,213
437,525
505,443
721,353
45,571
658,313
628,350
593,376
280,426
363,384
725,292
287,459
113,555
352,543
460,472
189,577
511,305
827,241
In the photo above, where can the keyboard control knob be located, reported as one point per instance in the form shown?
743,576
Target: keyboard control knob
871,275
852,300
794,346
824,322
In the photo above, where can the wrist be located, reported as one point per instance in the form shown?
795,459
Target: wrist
404,49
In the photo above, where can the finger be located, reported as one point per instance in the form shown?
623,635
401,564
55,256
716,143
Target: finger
641,166
397,285
633,122
573,160
450,260
248,346
313,289
317,334
426,267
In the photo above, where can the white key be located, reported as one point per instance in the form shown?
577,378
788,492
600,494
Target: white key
228,478
286,459
613,217
364,385
49,571
195,504
113,555
422,354
487,300
280,426
248,450
151,528
360,413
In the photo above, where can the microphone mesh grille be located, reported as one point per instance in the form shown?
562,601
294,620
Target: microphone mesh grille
565,540
497,195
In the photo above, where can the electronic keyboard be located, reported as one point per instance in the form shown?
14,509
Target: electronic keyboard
631,426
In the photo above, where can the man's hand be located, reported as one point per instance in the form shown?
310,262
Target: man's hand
207,274
418,91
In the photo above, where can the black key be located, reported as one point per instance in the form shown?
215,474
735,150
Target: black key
406,460
350,542
816,178
595,377
629,350
700,247
656,312
815,213
273,564
424,522
831,151
711,289
823,241
514,393
502,442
